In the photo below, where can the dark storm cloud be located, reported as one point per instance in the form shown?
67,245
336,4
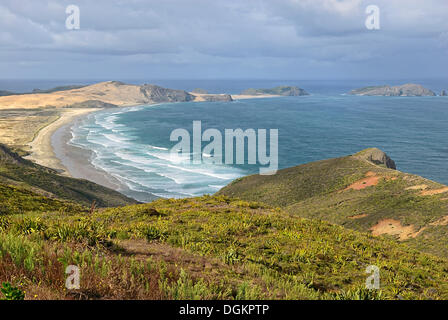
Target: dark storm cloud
224,39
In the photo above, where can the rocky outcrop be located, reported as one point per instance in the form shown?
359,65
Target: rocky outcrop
279,91
406,90
443,93
377,157
158,94
104,95
213,97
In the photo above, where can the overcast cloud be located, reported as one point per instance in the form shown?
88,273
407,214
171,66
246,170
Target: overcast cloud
197,39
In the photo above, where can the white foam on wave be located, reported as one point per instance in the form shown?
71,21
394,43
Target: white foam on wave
133,158
171,157
217,187
129,183
116,138
174,178
149,166
107,123
158,148
143,186
222,176
133,165
145,167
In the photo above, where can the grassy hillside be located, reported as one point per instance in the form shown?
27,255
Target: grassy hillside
357,193
207,248
210,247
16,171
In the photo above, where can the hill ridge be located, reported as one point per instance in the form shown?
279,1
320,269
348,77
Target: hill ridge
359,194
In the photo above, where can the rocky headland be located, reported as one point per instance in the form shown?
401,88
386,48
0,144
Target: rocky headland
405,90
279,91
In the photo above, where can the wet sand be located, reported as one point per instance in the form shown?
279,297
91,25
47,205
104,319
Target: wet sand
76,161
51,148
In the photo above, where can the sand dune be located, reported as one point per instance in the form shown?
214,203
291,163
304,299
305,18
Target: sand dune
111,92
27,121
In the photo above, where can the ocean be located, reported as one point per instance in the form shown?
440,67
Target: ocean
133,144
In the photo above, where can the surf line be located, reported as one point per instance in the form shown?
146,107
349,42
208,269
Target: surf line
234,145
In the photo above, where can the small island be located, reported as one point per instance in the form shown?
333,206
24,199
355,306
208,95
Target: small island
405,90
277,91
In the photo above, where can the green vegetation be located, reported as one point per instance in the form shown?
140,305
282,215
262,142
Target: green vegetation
208,248
59,88
280,91
318,190
367,89
221,247
12,293
26,175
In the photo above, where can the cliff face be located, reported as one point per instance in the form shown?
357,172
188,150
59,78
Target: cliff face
406,90
280,91
103,94
158,94
377,157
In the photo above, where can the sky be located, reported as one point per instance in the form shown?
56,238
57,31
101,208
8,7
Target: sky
223,39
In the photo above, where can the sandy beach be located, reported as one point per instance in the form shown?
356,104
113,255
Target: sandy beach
77,161
50,148
41,146
246,96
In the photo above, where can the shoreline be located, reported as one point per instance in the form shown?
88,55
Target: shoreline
51,148
41,149
75,160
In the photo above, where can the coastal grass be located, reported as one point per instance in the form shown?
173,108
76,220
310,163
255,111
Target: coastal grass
321,190
210,247
223,247
14,131
16,171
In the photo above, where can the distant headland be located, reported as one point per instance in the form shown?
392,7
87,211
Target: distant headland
405,90
278,91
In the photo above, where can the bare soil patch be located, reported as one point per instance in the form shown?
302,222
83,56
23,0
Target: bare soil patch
371,180
434,191
394,228
418,187
359,216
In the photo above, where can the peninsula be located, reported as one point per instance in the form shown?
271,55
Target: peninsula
405,90
47,110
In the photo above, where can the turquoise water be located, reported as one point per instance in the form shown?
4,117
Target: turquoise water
132,144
